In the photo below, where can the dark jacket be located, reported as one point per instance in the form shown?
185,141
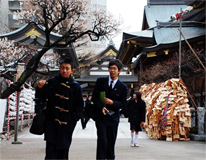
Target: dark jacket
136,111
118,94
64,109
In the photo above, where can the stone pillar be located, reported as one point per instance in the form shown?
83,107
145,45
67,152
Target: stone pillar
200,120
193,117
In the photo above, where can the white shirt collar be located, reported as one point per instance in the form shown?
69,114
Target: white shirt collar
114,82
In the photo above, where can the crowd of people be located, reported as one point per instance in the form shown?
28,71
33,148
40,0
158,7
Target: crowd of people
66,105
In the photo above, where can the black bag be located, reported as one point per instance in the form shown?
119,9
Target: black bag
37,126
92,111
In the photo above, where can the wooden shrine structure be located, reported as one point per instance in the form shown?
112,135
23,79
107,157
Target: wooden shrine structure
97,66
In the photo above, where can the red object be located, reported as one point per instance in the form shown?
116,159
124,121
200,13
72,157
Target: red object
177,15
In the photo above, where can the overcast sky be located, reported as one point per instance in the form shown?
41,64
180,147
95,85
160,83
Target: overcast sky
132,13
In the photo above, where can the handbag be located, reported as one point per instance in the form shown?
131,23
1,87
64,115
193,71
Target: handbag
37,126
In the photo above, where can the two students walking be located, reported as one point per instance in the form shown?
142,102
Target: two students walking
65,105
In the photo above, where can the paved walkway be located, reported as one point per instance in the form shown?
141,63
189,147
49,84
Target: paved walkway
84,146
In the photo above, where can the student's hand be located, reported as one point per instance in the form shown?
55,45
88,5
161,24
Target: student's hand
41,83
108,101
104,111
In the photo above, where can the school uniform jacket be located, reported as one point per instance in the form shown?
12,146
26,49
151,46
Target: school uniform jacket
64,109
136,111
118,94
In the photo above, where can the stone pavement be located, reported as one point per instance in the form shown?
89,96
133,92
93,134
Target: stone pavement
84,146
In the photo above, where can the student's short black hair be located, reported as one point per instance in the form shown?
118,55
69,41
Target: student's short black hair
67,61
138,94
116,62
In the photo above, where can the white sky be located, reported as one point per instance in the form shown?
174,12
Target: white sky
132,13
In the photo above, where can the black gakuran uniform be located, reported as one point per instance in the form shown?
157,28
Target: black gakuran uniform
64,109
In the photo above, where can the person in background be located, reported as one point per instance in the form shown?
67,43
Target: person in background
64,109
135,111
84,118
89,107
107,109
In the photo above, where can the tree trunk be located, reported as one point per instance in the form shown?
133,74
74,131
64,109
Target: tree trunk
30,68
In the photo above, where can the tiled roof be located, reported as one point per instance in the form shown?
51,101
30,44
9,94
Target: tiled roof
161,13
168,36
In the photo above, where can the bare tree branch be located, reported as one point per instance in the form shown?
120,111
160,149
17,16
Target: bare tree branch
70,18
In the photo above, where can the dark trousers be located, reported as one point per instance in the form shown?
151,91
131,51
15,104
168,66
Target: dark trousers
84,119
55,154
106,138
